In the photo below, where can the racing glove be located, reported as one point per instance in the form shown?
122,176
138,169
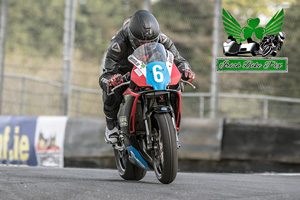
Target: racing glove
118,79
187,75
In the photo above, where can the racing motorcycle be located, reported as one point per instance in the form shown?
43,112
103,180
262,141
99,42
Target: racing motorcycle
149,116
269,45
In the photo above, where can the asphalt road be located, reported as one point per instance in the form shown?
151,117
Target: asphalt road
73,183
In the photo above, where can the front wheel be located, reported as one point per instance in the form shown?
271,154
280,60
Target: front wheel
165,157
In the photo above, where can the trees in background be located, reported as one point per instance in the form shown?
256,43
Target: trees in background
36,28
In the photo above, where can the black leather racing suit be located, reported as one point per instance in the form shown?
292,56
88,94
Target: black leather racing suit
116,63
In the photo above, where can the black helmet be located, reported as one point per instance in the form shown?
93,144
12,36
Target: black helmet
143,28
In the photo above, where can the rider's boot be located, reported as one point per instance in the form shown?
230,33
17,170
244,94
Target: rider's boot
111,132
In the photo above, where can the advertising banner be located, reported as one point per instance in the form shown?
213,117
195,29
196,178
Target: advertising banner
49,140
17,137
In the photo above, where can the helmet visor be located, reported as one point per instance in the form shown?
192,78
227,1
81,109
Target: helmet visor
135,42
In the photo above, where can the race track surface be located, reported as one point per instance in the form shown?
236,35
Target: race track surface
73,183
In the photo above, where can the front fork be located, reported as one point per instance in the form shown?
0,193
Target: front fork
177,132
146,119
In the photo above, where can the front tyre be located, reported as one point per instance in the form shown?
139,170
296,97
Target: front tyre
165,156
126,169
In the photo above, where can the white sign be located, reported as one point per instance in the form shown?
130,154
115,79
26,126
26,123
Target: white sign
49,140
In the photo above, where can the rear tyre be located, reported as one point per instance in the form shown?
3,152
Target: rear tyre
126,169
165,158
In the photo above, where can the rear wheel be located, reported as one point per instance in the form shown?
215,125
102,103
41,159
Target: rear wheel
126,169
165,156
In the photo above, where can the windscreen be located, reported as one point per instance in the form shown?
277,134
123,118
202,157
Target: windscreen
150,52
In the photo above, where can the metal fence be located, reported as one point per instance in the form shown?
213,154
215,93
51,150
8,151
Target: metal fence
242,106
25,95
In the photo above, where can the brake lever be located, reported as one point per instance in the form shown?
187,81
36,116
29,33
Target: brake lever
186,82
112,90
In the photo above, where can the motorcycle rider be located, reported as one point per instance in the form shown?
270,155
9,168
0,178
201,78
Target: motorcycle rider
271,43
136,30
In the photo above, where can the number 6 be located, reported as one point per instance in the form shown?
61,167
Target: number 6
158,73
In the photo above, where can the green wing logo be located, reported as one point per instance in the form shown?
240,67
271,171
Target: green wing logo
273,27
233,28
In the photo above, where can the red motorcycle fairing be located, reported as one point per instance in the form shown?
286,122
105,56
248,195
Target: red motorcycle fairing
130,102
129,106
175,75
138,77
178,118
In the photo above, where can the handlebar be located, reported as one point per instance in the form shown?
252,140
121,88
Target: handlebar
111,92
